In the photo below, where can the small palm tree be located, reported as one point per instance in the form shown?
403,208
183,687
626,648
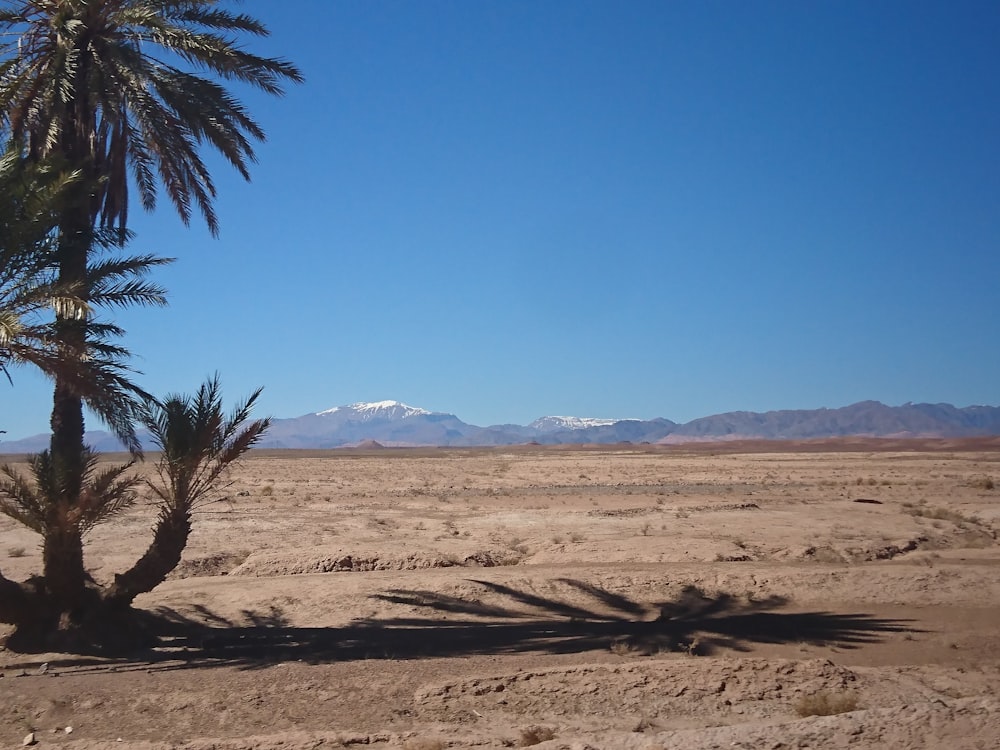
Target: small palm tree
37,504
198,442
107,492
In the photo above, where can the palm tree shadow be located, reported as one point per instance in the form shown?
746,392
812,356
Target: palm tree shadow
446,626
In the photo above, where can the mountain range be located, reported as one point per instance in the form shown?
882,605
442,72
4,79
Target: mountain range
391,423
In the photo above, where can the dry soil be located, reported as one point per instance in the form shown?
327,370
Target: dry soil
605,597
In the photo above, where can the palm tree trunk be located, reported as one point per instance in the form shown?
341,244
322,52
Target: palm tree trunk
62,563
164,553
62,548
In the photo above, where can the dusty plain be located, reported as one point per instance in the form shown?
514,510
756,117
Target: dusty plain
700,596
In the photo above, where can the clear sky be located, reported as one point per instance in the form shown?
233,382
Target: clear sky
505,209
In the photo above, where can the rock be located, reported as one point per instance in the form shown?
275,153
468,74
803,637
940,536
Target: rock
29,739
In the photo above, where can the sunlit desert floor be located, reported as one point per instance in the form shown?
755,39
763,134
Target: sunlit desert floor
624,597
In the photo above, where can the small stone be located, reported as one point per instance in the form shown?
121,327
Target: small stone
68,730
29,739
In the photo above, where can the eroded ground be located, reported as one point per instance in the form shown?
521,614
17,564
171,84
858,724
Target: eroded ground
627,597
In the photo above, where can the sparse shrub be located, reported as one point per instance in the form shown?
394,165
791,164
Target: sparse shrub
645,528
621,647
692,647
576,537
943,514
517,544
984,482
16,552
645,724
536,733
826,703
267,490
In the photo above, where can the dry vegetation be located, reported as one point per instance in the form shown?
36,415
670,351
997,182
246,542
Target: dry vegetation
428,599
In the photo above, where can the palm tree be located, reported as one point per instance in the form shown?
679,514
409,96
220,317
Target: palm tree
198,442
30,195
113,88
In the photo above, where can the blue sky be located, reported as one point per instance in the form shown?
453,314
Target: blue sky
510,209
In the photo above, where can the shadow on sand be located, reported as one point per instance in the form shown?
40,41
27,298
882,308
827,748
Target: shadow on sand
446,626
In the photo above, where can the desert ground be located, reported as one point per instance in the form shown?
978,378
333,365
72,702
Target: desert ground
779,595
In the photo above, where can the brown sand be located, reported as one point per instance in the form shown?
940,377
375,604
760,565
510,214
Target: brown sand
626,597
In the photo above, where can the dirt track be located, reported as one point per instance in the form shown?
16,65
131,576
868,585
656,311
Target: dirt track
609,597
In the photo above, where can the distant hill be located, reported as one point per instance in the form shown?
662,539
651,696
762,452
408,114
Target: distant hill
391,424
868,418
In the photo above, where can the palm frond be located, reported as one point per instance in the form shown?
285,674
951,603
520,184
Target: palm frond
104,72
20,501
198,442
108,494
103,494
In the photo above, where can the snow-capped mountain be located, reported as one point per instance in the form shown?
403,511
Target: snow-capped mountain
555,424
391,423
387,422
376,410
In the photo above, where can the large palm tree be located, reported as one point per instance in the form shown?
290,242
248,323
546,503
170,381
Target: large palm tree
125,92
30,197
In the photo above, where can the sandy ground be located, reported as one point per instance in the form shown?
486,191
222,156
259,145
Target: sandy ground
627,597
